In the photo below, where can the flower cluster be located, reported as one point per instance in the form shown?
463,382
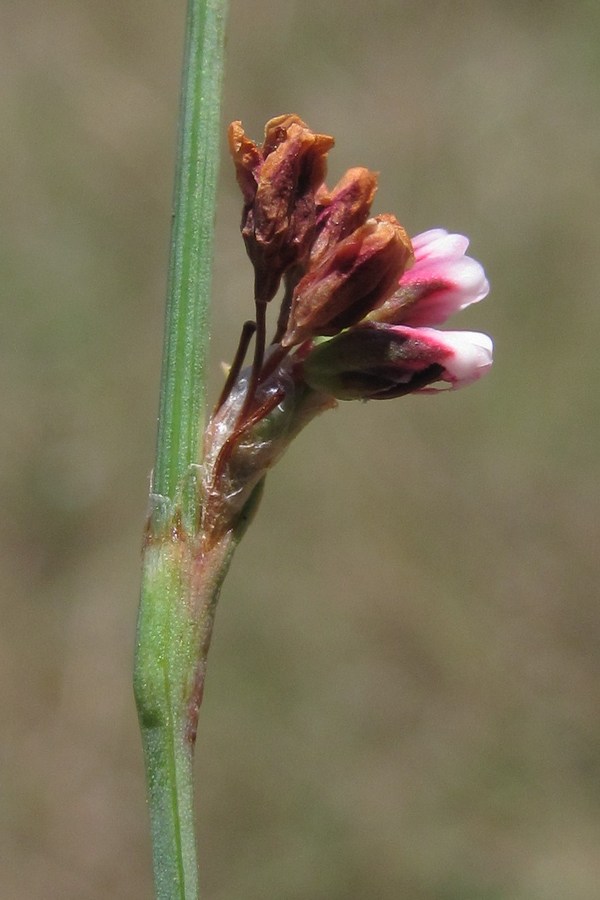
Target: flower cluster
359,302
355,278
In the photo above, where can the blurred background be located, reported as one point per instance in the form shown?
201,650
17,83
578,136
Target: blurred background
402,699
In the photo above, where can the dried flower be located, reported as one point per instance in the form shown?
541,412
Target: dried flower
278,182
343,210
358,273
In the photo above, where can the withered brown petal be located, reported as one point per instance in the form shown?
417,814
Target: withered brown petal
278,181
343,210
296,160
246,158
276,131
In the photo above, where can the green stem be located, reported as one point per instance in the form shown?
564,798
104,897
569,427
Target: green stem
180,589
179,584
183,384
168,757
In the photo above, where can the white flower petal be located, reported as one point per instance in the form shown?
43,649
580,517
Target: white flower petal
471,358
438,244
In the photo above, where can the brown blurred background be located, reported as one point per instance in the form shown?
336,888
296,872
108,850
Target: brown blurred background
403,696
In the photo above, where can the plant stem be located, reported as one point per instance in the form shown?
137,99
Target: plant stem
180,589
168,756
179,585
183,388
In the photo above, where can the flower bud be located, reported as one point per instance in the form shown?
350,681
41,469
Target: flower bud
376,362
359,272
278,182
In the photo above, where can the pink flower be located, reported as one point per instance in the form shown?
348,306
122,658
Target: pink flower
378,361
463,355
392,351
442,281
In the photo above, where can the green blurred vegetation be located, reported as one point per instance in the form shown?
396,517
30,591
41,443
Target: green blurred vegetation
403,698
